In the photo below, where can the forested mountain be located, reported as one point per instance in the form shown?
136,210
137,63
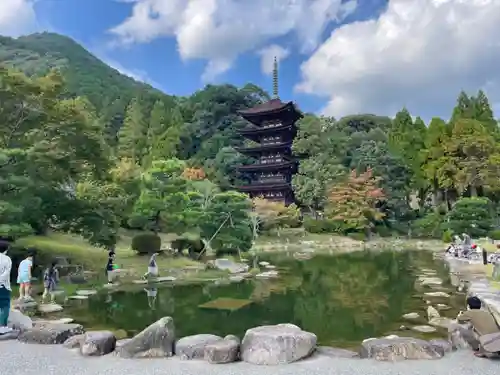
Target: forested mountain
86,149
85,74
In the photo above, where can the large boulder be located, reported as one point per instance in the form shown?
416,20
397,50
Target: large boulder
19,321
461,336
399,348
74,342
10,335
97,343
228,265
50,333
277,344
157,340
193,347
328,351
442,344
223,351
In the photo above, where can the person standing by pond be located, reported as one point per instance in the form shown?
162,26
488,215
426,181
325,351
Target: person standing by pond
24,276
50,280
5,291
152,267
110,267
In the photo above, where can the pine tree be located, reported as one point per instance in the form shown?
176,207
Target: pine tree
132,135
167,142
484,114
406,139
464,108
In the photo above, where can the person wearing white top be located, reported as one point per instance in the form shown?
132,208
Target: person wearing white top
5,290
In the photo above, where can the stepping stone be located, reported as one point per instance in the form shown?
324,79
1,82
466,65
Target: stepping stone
164,278
50,308
412,315
424,329
236,278
442,306
430,280
270,267
437,294
264,264
84,292
267,275
78,297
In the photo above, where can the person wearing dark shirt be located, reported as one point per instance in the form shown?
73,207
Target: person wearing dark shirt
110,267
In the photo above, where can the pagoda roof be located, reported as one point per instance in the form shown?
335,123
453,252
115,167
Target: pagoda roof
265,187
260,148
266,166
269,107
251,130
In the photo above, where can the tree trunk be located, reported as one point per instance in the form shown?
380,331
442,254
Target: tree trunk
473,191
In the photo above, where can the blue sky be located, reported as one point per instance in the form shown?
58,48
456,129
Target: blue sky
158,62
337,56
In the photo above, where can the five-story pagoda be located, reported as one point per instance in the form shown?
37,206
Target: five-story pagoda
272,129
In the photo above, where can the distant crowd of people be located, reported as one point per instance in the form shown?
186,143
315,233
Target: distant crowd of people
463,247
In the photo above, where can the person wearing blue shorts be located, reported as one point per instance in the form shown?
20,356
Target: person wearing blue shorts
24,276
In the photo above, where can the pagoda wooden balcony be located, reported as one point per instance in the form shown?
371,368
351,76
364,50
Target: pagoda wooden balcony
264,147
260,130
287,164
265,186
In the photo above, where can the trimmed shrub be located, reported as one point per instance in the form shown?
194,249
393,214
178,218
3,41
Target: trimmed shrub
494,234
473,216
383,231
146,243
447,236
321,226
429,226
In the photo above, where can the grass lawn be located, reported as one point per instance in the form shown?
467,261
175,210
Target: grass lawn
93,258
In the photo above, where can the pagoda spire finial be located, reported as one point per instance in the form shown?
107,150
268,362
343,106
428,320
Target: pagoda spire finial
275,79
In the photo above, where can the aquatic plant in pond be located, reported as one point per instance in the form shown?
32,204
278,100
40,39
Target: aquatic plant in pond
343,299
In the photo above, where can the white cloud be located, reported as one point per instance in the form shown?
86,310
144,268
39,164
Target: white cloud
219,30
17,17
419,54
268,54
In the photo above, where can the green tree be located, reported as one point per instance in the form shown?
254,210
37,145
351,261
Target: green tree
163,199
464,108
472,154
320,145
132,135
47,146
167,140
433,157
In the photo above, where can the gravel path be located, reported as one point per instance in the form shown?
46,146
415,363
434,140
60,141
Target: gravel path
25,359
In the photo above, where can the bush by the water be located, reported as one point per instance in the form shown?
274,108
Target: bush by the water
494,234
429,226
447,236
318,226
146,243
473,216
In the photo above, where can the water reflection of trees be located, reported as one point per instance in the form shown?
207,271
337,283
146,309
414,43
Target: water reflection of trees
343,298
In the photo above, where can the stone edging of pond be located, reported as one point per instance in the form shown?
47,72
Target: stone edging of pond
264,345
463,274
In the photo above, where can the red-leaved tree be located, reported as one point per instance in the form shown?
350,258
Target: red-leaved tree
194,174
354,201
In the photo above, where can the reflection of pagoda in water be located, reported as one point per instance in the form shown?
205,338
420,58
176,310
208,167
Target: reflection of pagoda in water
272,127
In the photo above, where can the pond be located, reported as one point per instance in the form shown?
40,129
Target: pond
342,299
